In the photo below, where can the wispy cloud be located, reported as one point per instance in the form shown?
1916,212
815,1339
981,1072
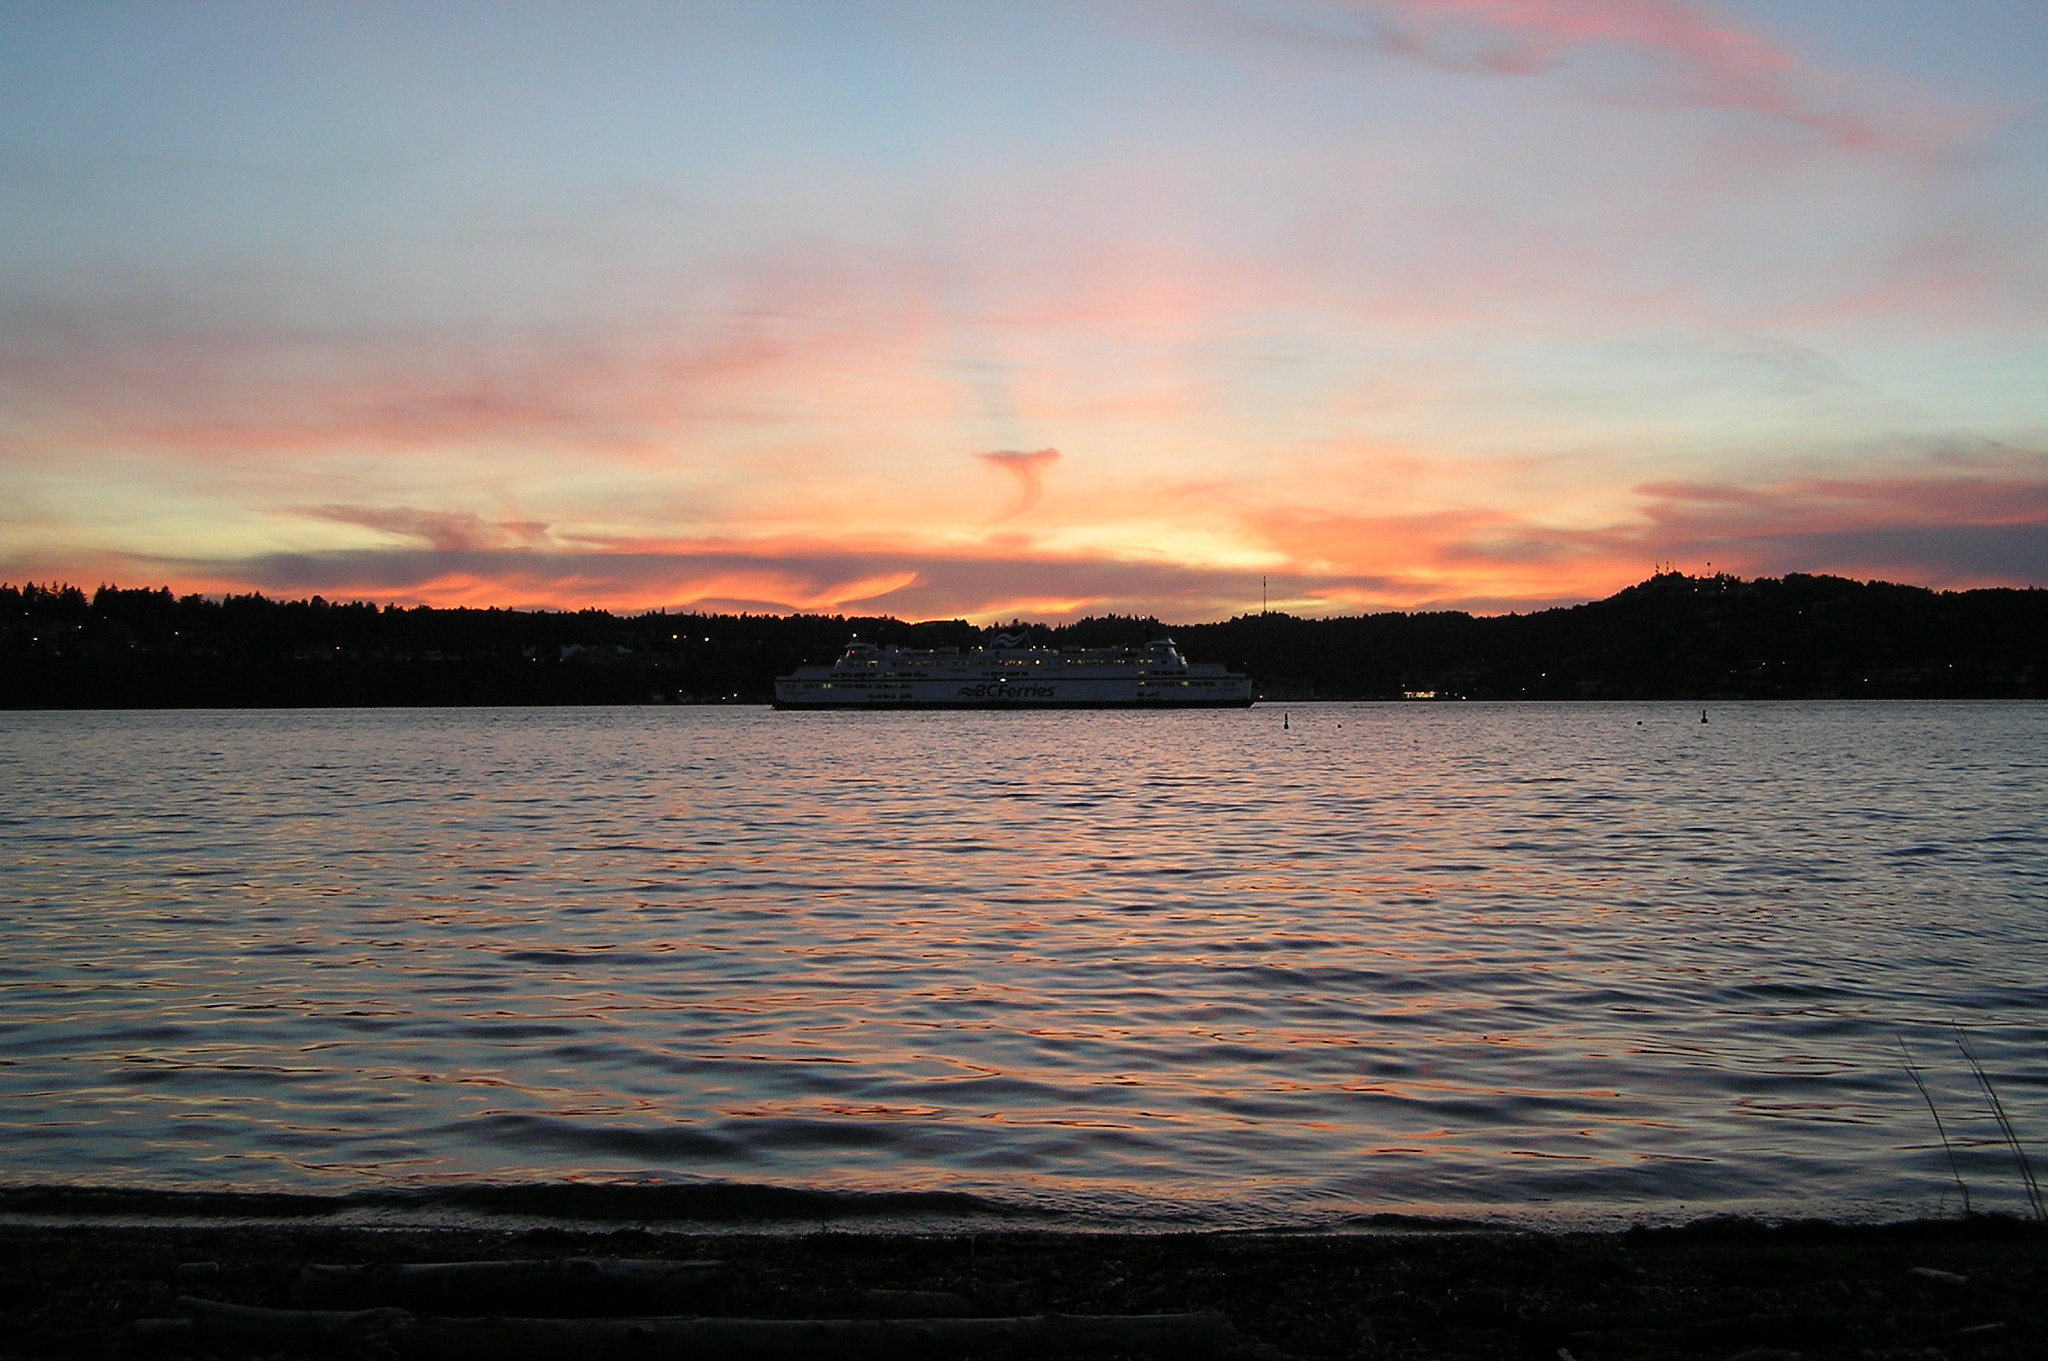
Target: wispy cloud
443,530
174,367
1971,525
1673,53
1028,469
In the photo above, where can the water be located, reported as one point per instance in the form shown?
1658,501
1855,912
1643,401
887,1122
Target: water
1555,964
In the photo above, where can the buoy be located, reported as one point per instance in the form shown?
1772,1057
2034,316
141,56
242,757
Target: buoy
1283,720
1703,715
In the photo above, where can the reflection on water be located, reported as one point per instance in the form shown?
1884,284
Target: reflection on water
1561,962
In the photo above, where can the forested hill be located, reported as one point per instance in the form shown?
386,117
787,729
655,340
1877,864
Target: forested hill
1671,637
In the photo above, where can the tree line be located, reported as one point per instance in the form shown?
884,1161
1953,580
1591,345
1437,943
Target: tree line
1672,636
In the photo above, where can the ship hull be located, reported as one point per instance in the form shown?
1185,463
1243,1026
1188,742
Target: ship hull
1153,704
1063,693
1010,676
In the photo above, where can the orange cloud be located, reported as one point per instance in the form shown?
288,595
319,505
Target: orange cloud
1978,524
1972,521
1029,471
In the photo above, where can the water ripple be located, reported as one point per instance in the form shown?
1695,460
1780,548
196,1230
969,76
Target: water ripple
1541,961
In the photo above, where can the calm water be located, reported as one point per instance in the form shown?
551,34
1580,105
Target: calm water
1553,963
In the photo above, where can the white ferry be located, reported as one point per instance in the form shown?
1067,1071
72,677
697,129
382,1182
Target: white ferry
1010,675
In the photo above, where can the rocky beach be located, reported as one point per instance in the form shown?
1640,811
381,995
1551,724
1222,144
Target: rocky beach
80,1285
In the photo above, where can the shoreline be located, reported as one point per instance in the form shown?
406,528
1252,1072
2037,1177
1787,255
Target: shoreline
1716,1288
732,1207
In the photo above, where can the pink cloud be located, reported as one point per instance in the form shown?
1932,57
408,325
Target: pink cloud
1683,56
1028,469
1977,526
1531,35
186,379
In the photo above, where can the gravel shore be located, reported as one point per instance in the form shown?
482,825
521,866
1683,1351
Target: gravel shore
1924,1291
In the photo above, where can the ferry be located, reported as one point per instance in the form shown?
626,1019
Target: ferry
1011,675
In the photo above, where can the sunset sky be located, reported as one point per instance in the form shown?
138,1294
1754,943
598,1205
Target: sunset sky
1036,308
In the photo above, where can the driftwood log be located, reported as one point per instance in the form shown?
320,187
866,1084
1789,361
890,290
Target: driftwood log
401,1333
577,1287
561,1285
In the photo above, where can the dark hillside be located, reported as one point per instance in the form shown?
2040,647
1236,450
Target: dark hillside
1671,637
